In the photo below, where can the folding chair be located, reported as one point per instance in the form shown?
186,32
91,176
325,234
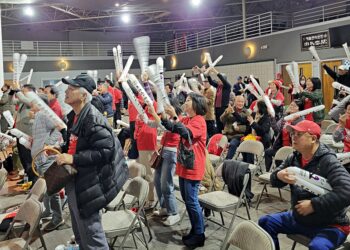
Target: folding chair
252,147
305,241
281,155
38,191
248,235
222,201
326,123
217,159
135,169
123,222
29,213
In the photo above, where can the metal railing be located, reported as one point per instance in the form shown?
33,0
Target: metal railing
321,14
74,48
258,25
262,24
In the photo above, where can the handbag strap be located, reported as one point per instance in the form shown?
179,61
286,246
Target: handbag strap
37,154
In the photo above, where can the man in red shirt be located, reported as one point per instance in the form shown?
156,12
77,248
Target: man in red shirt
52,93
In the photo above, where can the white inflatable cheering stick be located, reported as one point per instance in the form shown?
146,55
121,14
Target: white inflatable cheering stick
342,87
124,124
264,96
313,183
47,110
126,69
118,59
155,79
23,138
346,48
251,89
314,53
211,63
135,82
160,84
296,84
142,45
9,118
134,101
304,112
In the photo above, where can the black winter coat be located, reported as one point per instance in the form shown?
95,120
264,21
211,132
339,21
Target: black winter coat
99,159
329,209
262,129
342,79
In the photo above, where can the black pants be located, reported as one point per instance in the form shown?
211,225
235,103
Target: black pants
123,136
26,160
133,152
211,129
218,113
8,164
117,114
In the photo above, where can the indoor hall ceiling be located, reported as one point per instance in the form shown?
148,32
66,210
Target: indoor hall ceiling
161,19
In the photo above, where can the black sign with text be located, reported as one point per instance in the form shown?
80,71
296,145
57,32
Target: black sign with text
318,39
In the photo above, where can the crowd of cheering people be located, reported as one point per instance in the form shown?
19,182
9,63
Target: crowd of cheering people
192,119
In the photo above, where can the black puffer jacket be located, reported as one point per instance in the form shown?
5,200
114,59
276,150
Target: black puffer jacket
330,209
99,159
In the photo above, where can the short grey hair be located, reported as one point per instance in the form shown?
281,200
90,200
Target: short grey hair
88,95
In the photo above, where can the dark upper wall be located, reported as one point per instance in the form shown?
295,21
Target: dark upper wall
283,46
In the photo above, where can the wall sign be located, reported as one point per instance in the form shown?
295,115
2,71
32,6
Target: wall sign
318,39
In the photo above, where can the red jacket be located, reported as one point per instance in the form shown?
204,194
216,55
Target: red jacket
118,95
198,128
132,110
56,107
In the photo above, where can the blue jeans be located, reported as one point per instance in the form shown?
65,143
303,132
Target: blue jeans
163,181
234,143
284,223
189,192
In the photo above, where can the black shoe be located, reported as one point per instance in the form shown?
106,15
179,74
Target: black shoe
197,240
186,237
207,212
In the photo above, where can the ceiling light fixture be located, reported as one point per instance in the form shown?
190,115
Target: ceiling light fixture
196,3
117,5
28,11
125,18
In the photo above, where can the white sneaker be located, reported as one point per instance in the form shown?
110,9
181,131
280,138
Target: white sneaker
160,212
172,220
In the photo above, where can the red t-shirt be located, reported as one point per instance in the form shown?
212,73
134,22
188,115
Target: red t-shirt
198,128
111,91
308,104
56,107
132,110
146,137
171,140
118,95
73,140
304,162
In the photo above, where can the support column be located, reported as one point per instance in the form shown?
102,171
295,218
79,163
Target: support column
244,19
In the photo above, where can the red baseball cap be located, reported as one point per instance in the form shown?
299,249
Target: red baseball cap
306,126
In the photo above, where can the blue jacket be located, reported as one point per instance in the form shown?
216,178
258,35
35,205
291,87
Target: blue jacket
107,101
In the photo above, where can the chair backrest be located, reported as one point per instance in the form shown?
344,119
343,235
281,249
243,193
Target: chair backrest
252,147
331,128
38,190
283,153
326,123
137,169
3,177
139,188
30,213
248,235
223,142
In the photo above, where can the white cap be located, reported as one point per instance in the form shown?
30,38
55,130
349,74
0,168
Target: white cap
343,67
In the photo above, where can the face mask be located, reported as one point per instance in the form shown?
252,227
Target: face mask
302,82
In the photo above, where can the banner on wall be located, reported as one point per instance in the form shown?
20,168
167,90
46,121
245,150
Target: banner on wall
318,39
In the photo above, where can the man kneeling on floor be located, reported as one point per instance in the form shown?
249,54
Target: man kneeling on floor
321,218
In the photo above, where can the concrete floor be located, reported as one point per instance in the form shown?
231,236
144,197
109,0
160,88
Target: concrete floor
170,237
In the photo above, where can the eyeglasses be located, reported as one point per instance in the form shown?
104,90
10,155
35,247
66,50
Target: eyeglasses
297,134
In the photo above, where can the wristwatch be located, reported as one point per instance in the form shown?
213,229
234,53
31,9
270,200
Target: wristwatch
175,118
